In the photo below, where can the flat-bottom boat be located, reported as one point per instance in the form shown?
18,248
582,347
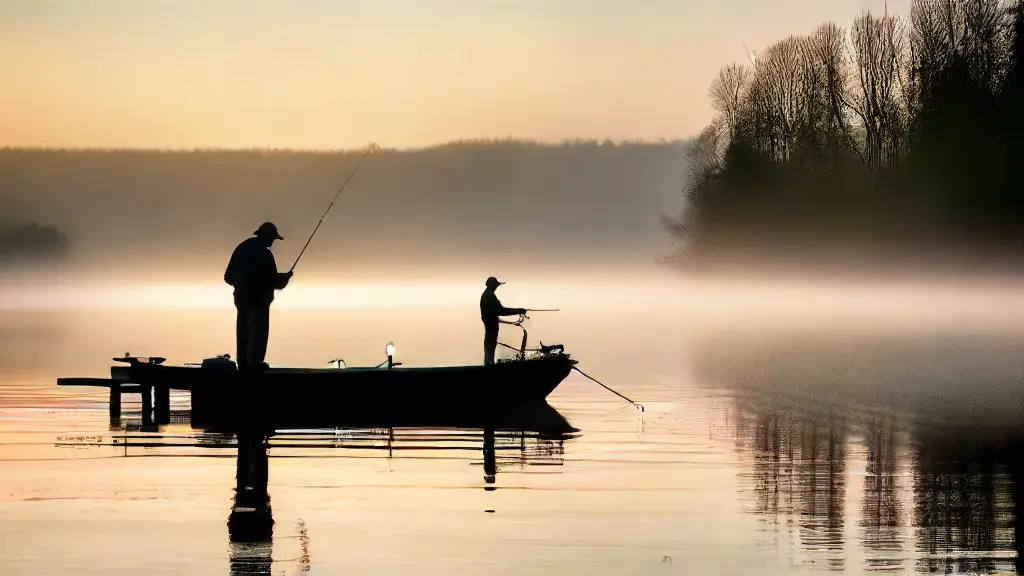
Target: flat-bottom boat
348,392
222,392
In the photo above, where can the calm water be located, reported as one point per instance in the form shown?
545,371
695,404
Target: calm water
760,452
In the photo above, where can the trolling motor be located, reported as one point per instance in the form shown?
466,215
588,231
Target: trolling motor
554,348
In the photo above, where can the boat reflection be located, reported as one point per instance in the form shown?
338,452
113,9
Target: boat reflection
514,439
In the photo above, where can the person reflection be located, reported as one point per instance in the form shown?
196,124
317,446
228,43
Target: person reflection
490,465
251,522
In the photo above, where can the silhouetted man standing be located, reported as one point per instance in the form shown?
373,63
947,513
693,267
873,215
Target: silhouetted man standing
490,310
252,271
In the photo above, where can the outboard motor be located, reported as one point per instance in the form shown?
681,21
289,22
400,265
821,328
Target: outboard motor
222,363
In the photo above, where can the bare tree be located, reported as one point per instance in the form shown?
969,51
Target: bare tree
824,52
776,104
727,92
877,53
977,33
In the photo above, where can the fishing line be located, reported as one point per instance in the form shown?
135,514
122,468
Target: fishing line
595,380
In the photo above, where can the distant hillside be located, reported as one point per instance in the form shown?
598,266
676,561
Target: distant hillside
516,203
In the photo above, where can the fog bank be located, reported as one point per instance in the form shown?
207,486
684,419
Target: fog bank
488,204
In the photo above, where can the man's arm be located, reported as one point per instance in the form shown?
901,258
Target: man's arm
282,280
279,279
503,311
230,271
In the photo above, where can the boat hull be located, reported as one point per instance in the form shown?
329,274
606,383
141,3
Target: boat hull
281,395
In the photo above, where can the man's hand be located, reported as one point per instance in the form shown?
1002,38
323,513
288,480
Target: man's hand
282,279
521,311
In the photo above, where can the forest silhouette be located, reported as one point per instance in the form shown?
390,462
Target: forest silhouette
900,136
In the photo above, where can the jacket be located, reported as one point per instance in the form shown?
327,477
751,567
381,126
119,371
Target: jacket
491,308
252,271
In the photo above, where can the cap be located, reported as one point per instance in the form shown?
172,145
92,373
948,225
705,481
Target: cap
268,229
492,281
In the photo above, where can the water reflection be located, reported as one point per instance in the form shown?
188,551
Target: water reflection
932,499
251,522
531,436
964,502
798,477
882,513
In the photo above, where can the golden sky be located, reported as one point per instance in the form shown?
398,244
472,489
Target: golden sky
342,73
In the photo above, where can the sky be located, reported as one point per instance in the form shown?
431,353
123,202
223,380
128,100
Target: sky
329,74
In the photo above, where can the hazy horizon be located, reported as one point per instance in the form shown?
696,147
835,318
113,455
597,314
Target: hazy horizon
493,207
451,143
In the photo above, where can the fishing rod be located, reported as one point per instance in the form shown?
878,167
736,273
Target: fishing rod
369,149
522,352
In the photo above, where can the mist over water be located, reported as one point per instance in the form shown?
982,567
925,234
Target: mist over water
950,345
789,426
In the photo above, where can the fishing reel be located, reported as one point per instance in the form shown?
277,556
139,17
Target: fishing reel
522,350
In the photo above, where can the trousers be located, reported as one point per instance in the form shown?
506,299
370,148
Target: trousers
490,344
252,331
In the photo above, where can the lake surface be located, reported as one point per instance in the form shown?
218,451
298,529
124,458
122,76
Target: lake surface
761,450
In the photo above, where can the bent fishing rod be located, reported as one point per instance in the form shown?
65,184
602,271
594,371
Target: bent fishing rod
369,149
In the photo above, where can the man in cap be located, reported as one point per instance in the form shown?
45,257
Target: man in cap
490,310
252,271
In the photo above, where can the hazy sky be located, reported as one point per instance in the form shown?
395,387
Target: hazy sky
341,73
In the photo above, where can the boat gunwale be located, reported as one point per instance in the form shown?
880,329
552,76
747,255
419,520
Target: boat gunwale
289,371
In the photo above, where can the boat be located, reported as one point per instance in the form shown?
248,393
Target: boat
345,393
221,392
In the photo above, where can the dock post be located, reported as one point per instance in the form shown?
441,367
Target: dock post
163,405
147,405
115,402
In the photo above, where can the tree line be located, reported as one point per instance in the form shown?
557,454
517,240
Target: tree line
899,131
32,240
462,204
